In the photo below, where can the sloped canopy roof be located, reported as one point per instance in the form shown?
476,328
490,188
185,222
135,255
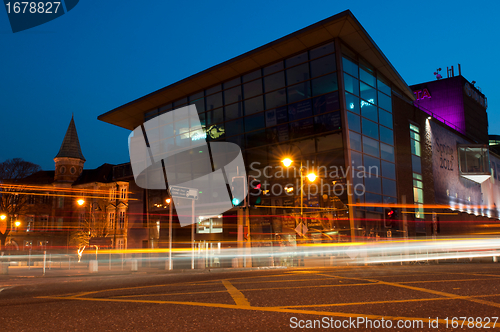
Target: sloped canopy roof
70,146
343,25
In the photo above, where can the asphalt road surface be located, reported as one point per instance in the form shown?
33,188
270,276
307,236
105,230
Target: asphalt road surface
400,298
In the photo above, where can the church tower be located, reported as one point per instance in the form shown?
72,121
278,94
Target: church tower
69,161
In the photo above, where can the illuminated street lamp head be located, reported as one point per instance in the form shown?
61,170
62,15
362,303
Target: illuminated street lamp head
311,177
80,202
167,201
287,162
3,216
17,223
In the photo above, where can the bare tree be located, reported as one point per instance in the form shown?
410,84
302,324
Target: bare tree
12,199
94,227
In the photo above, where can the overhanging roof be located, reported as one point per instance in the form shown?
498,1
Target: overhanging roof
343,25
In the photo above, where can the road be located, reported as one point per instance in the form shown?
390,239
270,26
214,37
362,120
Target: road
350,298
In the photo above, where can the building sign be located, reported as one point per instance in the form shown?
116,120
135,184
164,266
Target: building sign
450,188
421,94
469,91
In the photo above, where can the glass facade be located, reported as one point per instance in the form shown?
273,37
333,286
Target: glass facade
416,165
286,101
292,108
369,117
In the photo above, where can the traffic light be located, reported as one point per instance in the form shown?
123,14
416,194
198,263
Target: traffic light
238,189
254,192
390,217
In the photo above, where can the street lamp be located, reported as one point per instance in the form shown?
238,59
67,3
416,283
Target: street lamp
80,201
3,217
311,177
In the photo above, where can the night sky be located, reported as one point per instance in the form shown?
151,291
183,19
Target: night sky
103,54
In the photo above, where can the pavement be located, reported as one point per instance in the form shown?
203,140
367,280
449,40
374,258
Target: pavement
440,297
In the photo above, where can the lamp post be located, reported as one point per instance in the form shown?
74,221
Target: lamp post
311,177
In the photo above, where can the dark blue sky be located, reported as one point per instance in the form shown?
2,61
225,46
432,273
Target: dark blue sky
103,54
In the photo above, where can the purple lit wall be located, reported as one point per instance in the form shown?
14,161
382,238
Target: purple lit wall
443,100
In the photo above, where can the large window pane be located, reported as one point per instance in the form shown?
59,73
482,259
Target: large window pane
387,152
271,118
256,138
179,103
415,147
296,59
213,89
323,65
350,67
369,111
353,121
252,89
300,110
416,164
385,118
283,133
386,135
370,128
383,86
322,50
326,103
282,114
373,184
231,83
298,92
302,128
234,111
389,187
252,76
356,159
372,165
254,105
328,122
214,101
352,102
254,122
329,142
274,81
324,84
232,95
276,98
351,84
368,93
200,104
355,140
215,116
367,77
234,127
297,74
384,101
273,68
388,170
239,140
370,146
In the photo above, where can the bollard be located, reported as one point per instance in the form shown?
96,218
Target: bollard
44,256
93,266
4,268
133,265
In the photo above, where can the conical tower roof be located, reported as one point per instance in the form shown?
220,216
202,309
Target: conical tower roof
70,146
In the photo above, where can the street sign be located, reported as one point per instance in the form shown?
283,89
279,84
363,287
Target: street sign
183,192
100,241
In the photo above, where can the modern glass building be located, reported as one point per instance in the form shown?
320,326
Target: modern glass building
326,98
321,96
